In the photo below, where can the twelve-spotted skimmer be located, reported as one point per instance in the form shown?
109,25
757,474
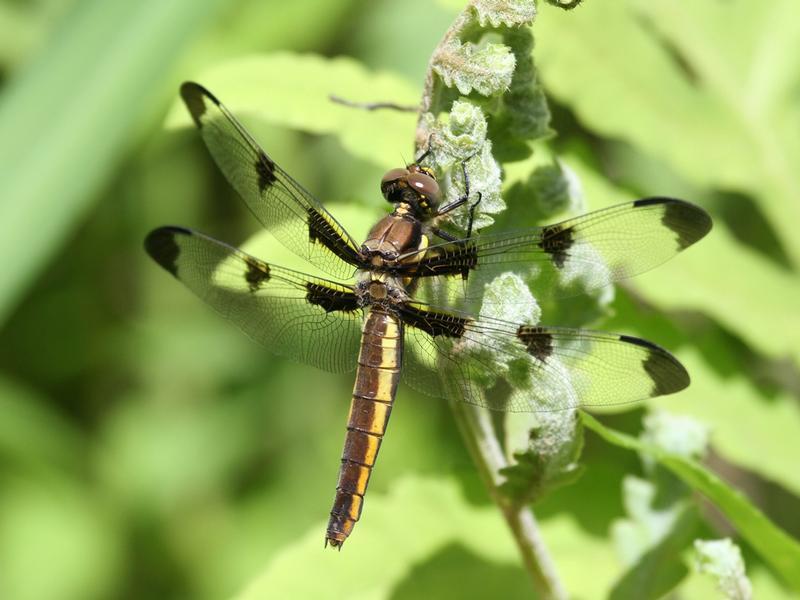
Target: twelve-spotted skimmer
416,307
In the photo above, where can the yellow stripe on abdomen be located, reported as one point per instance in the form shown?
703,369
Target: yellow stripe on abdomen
377,376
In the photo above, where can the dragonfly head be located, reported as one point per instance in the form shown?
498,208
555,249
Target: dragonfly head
413,185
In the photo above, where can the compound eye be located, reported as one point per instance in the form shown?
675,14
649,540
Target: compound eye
394,175
424,184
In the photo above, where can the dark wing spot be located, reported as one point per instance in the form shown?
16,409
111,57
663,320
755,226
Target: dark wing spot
434,323
257,273
194,96
331,299
319,230
456,258
556,241
266,171
687,221
667,374
160,244
538,342
322,230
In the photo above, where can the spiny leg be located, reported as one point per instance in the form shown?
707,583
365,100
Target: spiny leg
460,201
443,210
427,152
472,214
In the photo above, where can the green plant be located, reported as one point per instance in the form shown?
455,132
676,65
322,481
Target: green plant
149,452
483,101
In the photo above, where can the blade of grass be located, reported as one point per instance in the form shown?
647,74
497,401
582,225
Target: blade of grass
66,121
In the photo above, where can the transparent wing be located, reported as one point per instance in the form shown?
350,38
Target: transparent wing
281,204
311,320
565,259
519,368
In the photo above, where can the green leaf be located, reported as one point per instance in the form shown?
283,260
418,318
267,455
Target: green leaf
549,191
504,12
460,136
735,410
485,68
294,90
646,524
66,121
421,520
254,24
776,548
705,87
521,115
660,569
548,460
397,531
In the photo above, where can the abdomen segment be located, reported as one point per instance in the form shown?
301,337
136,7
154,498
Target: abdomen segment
377,376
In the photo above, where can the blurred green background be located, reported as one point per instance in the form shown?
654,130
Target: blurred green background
149,450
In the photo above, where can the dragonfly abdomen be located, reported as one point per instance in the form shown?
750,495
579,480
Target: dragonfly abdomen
374,391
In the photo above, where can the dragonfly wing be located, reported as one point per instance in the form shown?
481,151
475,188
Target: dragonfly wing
521,368
305,318
568,258
281,204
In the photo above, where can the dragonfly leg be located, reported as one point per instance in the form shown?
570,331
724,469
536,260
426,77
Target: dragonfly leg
472,214
441,233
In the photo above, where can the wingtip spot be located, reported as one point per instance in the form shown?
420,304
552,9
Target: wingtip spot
163,248
665,371
194,96
688,221
669,376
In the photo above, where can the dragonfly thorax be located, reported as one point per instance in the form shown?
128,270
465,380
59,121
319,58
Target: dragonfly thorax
381,289
394,235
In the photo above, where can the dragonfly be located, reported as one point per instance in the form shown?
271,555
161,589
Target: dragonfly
411,302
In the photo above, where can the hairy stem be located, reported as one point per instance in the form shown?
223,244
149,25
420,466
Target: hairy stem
481,440
429,92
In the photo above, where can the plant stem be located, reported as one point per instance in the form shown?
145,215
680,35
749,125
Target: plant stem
479,435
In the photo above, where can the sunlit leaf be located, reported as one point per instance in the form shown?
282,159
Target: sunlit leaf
735,411
775,546
487,68
416,519
708,87
661,568
548,460
294,90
